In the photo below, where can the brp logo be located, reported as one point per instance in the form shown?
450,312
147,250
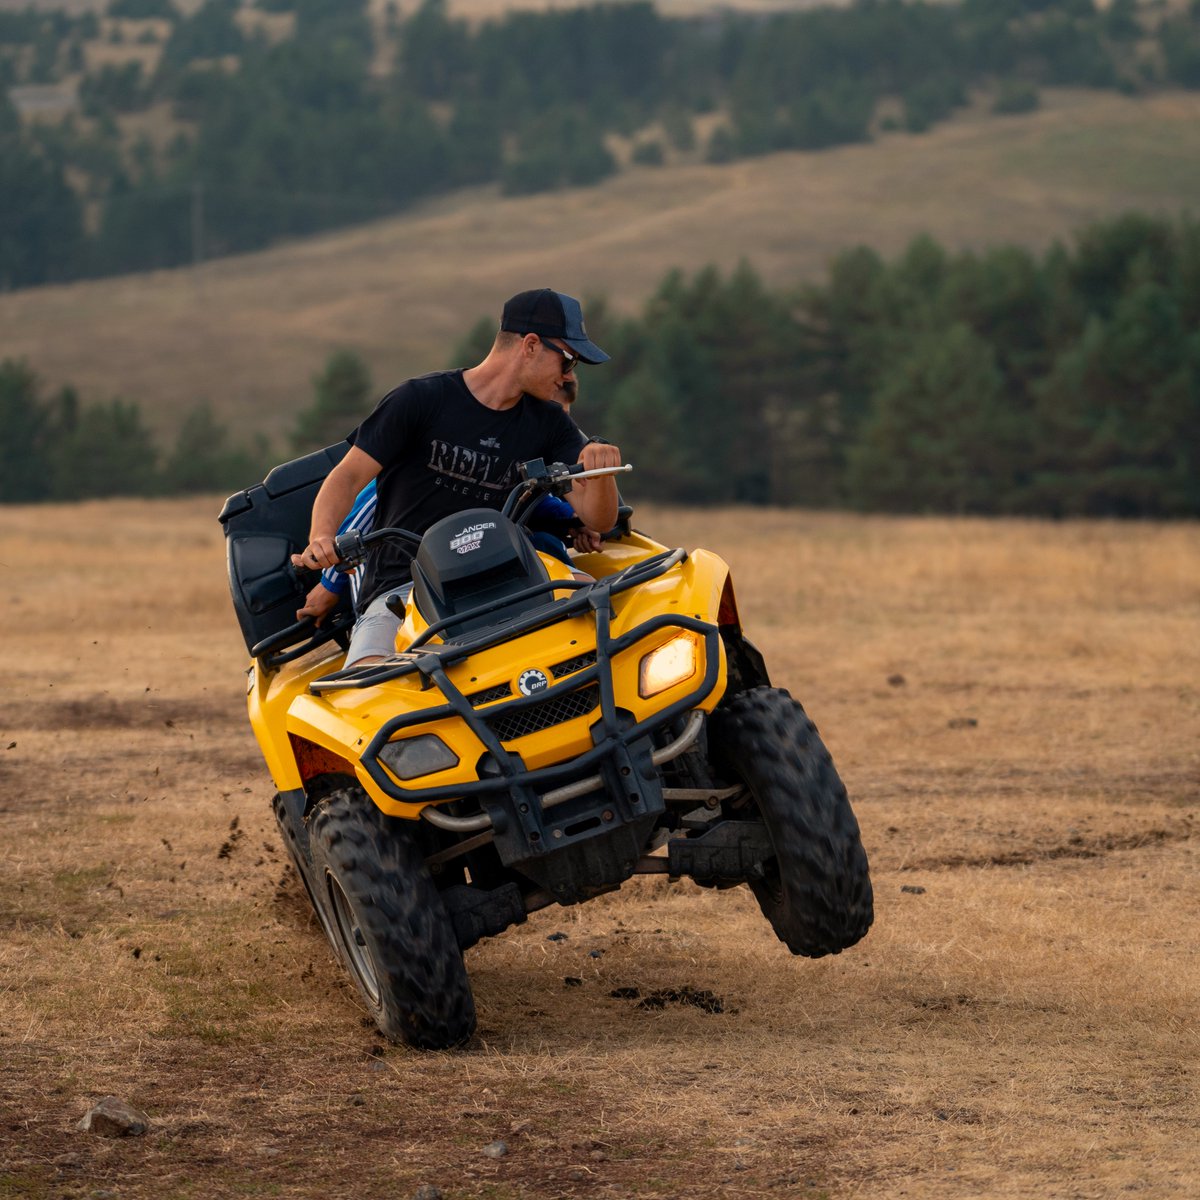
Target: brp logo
531,682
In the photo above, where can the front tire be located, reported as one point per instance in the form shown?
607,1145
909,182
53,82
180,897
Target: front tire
388,923
816,889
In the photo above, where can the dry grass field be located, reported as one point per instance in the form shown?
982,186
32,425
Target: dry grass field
247,334
1015,708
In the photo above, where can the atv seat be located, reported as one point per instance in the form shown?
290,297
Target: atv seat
471,558
264,526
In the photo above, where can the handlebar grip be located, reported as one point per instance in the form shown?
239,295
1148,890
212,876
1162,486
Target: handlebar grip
350,548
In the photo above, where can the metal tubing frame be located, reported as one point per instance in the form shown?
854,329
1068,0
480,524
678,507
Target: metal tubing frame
433,661
425,658
571,790
511,774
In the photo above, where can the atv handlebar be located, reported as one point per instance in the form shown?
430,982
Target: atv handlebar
535,471
624,467
351,546
537,480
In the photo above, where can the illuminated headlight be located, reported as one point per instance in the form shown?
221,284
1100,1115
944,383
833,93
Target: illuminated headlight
665,667
410,758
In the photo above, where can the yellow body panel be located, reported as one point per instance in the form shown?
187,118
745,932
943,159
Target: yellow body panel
343,722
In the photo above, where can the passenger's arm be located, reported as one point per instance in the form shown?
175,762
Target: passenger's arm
587,541
319,603
333,502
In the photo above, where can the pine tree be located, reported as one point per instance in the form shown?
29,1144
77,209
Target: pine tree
1119,415
24,421
202,459
342,400
937,438
109,453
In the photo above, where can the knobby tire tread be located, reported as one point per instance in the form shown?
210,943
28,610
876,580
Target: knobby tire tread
818,896
425,996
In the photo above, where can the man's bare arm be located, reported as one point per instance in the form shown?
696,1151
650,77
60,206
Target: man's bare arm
595,500
333,502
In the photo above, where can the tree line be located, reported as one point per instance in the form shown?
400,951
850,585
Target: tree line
54,447
1065,383
344,120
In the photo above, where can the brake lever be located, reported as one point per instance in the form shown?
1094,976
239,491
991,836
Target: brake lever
624,469
560,477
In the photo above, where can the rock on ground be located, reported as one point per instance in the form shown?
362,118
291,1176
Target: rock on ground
112,1117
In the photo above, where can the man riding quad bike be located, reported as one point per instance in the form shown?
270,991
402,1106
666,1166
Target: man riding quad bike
534,740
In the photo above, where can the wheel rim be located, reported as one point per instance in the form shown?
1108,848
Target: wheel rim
349,934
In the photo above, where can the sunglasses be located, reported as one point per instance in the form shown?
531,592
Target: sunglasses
570,361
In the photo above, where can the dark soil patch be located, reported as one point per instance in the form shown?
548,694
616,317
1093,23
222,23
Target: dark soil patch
686,995
106,712
1077,846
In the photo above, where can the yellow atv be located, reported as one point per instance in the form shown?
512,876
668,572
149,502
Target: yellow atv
535,739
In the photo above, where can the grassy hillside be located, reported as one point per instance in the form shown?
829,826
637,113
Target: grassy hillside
248,333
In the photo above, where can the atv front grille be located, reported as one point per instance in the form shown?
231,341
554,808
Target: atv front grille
510,726
502,691
572,665
499,692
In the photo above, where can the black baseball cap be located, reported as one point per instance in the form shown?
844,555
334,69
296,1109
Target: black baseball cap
551,314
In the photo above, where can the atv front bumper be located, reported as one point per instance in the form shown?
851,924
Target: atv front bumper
576,826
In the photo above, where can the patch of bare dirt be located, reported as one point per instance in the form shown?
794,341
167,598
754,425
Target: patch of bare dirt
98,711
1076,846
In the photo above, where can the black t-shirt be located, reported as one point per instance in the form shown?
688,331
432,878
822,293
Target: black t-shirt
442,451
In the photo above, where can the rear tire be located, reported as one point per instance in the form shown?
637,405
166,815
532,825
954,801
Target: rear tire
816,890
388,923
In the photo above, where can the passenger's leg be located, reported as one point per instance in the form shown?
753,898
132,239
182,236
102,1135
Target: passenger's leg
547,543
374,636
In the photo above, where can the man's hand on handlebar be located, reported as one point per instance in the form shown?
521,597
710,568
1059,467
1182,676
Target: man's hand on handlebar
595,499
317,555
598,455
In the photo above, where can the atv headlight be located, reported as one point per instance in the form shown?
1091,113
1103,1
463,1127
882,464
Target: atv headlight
663,668
410,758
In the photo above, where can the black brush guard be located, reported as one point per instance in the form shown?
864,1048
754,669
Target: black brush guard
586,843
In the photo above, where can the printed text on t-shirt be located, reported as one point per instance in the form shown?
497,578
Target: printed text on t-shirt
471,466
